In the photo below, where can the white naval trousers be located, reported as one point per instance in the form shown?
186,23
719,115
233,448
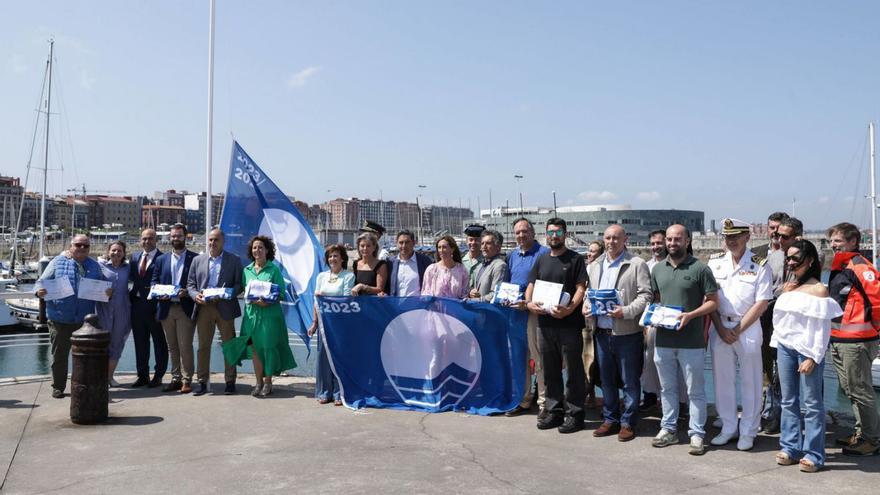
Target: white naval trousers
747,351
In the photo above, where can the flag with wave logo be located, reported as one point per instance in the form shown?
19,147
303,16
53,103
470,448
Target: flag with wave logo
425,353
254,205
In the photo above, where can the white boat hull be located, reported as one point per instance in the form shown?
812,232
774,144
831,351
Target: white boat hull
875,373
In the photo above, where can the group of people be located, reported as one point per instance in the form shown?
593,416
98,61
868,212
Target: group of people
172,322
762,313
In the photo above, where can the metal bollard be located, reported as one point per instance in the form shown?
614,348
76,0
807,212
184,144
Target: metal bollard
88,383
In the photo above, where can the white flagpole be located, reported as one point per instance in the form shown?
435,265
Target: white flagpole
208,196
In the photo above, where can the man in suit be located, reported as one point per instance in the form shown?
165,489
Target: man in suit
175,313
216,268
144,325
408,267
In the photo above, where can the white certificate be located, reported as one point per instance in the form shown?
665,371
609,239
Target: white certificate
56,288
94,290
546,294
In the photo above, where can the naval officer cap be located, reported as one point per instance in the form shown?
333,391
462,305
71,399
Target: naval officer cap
474,230
373,228
733,226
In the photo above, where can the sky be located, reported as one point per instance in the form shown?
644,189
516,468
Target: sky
734,108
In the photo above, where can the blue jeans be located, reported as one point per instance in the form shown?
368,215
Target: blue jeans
691,361
623,356
808,443
326,384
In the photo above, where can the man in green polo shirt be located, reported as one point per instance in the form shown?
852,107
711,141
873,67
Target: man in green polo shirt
473,258
682,280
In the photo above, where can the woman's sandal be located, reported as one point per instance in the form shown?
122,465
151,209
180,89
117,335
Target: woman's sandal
783,459
808,466
323,401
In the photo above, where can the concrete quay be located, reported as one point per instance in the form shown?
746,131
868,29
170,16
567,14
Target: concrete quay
173,443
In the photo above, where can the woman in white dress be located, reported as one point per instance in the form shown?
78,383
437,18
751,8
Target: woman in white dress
801,331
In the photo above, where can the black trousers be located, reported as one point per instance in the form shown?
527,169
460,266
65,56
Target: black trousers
144,327
558,346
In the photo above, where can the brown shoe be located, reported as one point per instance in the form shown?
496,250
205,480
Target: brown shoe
626,434
862,447
186,388
847,441
606,429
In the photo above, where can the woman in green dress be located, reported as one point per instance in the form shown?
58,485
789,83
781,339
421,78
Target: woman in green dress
263,335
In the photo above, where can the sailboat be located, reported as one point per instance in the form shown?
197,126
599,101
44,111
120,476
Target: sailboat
26,310
875,366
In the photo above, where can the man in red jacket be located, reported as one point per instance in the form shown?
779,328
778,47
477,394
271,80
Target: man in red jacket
855,284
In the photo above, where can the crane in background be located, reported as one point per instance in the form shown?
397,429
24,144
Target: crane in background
85,193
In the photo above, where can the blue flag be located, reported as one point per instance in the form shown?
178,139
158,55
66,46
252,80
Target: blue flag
255,206
425,353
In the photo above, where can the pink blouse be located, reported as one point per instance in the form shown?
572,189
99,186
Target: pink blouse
445,282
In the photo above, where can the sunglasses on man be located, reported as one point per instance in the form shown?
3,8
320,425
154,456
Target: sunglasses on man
555,233
782,236
81,245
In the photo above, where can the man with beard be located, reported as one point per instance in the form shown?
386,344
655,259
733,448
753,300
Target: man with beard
682,280
175,313
559,331
650,379
855,284
788,230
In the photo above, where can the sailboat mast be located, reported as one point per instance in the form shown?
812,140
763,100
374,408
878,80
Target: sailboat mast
46,156
873,197
209,218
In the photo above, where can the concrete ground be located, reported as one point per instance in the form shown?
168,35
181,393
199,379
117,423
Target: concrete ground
169,443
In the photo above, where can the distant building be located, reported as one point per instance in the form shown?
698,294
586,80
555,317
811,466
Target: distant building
10,201
588,222
154,216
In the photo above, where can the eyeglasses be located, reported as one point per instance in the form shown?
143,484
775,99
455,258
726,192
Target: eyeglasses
80,245
794,259
555,233
782,236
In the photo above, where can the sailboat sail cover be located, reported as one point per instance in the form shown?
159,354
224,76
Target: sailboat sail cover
256,206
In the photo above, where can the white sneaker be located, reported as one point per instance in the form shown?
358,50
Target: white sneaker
697,447
114,383
717,423
664,438
723,438
745,443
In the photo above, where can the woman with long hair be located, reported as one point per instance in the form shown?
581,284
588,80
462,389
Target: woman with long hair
801,331
447,277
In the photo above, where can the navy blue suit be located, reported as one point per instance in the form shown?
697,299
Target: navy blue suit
422,263
162,275
143,320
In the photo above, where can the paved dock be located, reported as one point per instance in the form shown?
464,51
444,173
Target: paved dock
288,443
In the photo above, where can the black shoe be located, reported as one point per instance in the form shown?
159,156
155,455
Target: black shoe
516,411
173,386
230,388
543,413
572,424
552,420
155,382
771,427
202,390
140,382
57,394
649,402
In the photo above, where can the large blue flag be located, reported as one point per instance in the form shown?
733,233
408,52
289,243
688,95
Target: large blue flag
254,205
425,353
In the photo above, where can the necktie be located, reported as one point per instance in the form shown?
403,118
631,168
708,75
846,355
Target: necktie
142,269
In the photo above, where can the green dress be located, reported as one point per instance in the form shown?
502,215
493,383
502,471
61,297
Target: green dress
264,327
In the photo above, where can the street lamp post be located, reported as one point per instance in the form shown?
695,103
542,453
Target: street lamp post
554,203
519,192
419,206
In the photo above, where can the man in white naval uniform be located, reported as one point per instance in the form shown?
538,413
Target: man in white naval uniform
745,287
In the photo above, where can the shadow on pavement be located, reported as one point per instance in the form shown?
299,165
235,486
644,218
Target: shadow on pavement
16,404
133,420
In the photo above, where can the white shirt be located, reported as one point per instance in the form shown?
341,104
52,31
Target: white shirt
150,257
408,283
652,262
608,280
740,285
802,322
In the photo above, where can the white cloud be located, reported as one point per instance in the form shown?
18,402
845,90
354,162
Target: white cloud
597,196
648,196
299,79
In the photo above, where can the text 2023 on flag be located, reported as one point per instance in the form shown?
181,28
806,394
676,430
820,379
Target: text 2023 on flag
425,353
254,205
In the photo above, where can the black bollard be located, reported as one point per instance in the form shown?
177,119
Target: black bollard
88,383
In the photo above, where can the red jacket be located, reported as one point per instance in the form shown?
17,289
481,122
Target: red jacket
855,284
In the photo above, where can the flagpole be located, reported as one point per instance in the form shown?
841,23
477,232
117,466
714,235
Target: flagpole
208,165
